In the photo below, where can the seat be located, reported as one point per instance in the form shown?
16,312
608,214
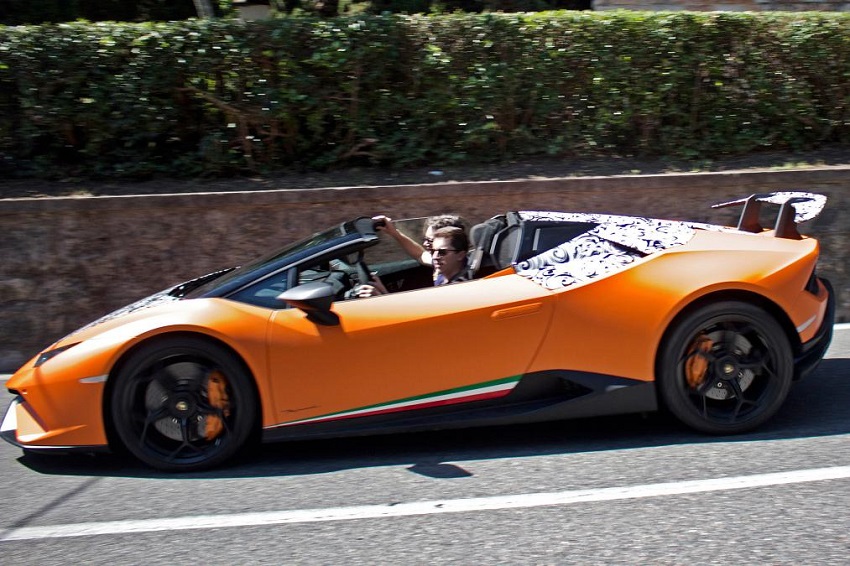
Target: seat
481,236
505,246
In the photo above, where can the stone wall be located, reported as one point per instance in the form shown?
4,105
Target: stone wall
66,261
725,5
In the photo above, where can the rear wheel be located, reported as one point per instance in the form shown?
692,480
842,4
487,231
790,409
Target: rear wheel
726,368
183,405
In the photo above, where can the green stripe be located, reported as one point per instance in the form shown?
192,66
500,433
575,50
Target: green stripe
514,379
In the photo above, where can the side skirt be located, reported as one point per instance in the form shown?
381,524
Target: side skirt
537,397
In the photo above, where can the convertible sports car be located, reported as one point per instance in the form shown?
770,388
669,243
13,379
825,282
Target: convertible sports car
566,315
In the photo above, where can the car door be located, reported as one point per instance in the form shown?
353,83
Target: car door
407,350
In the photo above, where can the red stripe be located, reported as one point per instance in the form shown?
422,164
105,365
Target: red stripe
470,398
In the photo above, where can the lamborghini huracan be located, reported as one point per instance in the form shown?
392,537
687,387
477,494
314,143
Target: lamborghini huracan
564,315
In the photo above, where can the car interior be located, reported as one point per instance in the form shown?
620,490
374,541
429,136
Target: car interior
496,244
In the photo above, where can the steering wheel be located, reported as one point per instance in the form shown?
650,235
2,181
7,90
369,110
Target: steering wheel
363,273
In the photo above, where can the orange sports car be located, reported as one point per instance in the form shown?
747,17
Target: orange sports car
564,315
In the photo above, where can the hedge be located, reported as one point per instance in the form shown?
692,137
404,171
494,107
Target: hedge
220,97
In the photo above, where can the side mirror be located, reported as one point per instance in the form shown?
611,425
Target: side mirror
315,299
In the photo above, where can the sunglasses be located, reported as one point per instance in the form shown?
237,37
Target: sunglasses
441,252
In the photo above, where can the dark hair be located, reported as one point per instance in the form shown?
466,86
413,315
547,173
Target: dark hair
457,236
445,220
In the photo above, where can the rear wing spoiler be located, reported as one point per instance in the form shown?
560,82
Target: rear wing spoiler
794,207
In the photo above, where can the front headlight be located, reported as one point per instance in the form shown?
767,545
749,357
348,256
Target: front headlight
50,354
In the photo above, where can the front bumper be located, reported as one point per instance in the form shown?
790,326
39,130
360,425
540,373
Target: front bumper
9,427
812,352
19,426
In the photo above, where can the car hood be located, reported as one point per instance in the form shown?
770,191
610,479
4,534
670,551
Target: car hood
120,316
165,303
170,295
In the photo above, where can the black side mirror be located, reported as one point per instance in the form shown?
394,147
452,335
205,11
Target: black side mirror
315,299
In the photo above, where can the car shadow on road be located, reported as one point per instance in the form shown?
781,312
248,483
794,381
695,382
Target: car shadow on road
815,407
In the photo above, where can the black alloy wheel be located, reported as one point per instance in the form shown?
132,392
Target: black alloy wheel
183,405
726,368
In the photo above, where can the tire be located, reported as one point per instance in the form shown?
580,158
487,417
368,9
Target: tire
183,405
726,368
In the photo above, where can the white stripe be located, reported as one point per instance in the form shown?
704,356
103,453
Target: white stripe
10,420
806,324
426,507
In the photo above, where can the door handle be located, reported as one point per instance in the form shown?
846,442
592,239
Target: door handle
513,312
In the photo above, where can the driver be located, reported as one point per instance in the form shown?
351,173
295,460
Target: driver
448,254
448,257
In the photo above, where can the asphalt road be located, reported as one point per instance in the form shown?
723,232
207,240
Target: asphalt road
621,490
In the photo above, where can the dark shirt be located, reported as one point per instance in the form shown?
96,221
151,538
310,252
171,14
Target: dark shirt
462,275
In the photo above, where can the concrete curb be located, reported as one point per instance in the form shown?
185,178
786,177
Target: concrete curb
770,179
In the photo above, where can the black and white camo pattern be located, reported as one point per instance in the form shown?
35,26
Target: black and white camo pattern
616,242
620,240
580,260
147,302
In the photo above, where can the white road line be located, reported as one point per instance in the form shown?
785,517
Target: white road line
520,501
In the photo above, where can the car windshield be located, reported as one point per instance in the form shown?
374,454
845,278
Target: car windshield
317,240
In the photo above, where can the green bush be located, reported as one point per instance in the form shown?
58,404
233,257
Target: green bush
226,97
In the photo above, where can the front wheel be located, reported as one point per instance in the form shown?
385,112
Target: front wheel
183,405
726,368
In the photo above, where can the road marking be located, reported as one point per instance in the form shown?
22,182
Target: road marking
521,501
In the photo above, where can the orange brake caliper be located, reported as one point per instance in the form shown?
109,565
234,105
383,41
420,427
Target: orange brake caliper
217,395
697,362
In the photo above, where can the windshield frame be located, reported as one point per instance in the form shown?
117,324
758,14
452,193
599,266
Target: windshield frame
341,235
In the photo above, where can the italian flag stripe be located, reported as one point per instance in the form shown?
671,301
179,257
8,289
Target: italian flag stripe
478,392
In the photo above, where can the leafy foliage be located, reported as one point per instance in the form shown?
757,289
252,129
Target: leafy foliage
220,97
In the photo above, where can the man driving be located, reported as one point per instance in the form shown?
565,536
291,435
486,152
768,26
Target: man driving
448,257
